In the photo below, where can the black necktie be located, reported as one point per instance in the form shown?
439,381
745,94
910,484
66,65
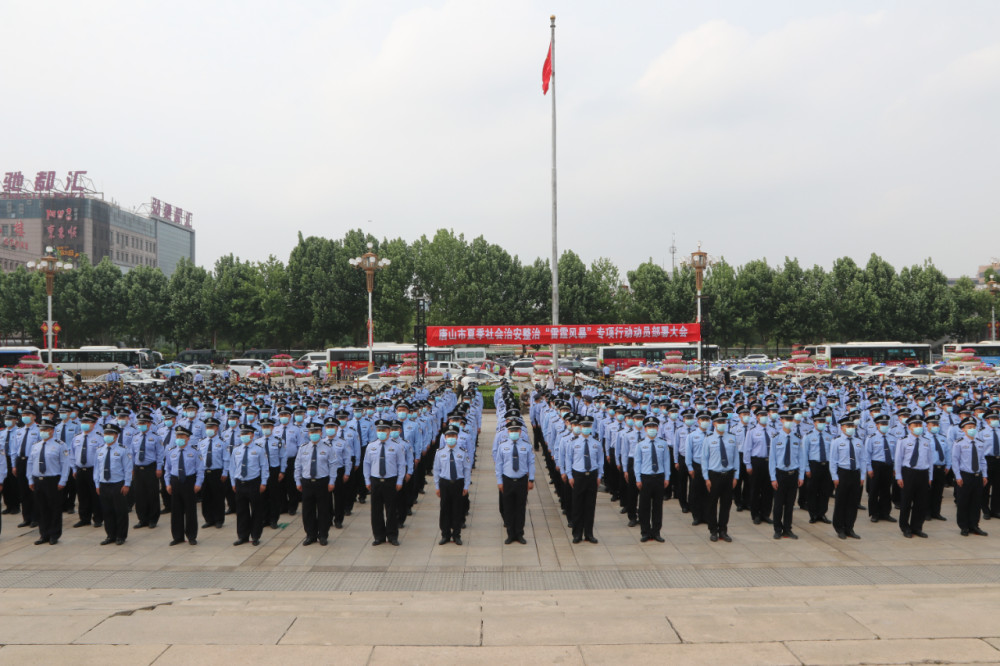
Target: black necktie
937,447
996,444
181,473
656,461
915,458
381,461
723,454
107,464
83,452
788,451
6,446
246,462
62,436
586,455
454,468
312,461
886,453
24,442
767,440
232,440
515,461
975,458
822,449
850,449
142,449
208,458
41,460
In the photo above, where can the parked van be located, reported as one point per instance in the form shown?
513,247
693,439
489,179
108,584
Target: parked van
244,366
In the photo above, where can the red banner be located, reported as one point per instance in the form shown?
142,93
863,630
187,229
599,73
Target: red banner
446,336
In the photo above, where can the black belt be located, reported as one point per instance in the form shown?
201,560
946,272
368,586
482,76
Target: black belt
320,478
787,471
254,481
112,483
146,466
91,467
585,473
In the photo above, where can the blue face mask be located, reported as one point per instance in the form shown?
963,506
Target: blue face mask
935,429
689,422
382,436
587,431
513,435
108,439
330,432
315,436
917,430
283,420
246,438
971,432
232,423
721,428
883,429
26,420
298,418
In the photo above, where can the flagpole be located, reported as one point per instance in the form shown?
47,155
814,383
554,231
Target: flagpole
555,250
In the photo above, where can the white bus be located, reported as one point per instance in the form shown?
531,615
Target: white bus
988,351
11,356
620,357
870,353
384,353
90,361
469,355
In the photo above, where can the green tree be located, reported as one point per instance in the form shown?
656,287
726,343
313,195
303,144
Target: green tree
971,310
145,293
187,291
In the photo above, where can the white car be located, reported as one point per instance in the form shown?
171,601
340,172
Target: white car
590,361
756,358
244,366
479,378
918,373
207,371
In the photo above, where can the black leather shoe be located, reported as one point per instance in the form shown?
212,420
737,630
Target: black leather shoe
591,539
53,541
508,541
457,540
193,542
394,542
853,534
120,542
965,532
95,524
219,525
908,534
633,523
756,521
377,542
841,535
777,536
107,542
987,516
444,540
41,541
921,534
725,537
788,534
624,510
658,539
939,517
978,532
521,541
24,524
713,537
274,525
255,542
577,539
874,519
339,526
644,539
176,541
206,526
768,521
81,523
888,519
240,542
139,526
308,541
293,512
323,541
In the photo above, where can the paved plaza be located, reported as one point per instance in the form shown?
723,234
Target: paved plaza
883,599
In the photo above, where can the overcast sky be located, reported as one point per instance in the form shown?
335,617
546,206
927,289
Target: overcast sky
763,129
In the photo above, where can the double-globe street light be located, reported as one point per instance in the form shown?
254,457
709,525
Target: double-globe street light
370,262
699,261
993,286
49,265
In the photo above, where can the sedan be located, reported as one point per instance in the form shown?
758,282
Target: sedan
480,377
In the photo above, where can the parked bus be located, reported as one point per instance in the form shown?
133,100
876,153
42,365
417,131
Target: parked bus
11,356
620,357
90,361
469,355
201,356
870,353
986,350
388,354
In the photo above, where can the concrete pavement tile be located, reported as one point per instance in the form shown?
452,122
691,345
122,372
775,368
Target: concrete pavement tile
574,628
731,627
955,624
80,655
47,629
731,654
487,656
225,655
905,651
229,629
425,629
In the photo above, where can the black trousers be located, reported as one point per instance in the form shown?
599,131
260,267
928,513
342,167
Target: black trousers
784,500
143,492
651,505
515,503
969,499
990,501
49,506
761,492
272,496
452,511
611,479
183,509
27,495
10,496
584,503
114,508
340,497
290,496
914,499
630,491
91,507
880,489
720,502
249,510
699,494
937,490
69,495
536,435
845,502
679,481
213,497
384,524
316,507
820,489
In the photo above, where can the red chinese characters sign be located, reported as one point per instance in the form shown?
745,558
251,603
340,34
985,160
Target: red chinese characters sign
443,336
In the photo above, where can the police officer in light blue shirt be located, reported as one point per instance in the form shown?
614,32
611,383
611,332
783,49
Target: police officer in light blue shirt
49,465
652,462
848,467
585,466
452,470
914,473
787,468
112,476
215,454
184,473
514,465
968,460
314,473
880,447
248,472
384,469
941,447
720,464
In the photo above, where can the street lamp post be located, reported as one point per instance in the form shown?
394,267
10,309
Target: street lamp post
49,265
370,262
993,287
699,260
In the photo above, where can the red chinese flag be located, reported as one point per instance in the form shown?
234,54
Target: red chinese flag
547,71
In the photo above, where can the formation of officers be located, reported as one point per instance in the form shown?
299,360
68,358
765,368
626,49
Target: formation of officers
765,448
258,453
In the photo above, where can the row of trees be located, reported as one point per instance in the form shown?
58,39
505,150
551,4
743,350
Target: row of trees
318,299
